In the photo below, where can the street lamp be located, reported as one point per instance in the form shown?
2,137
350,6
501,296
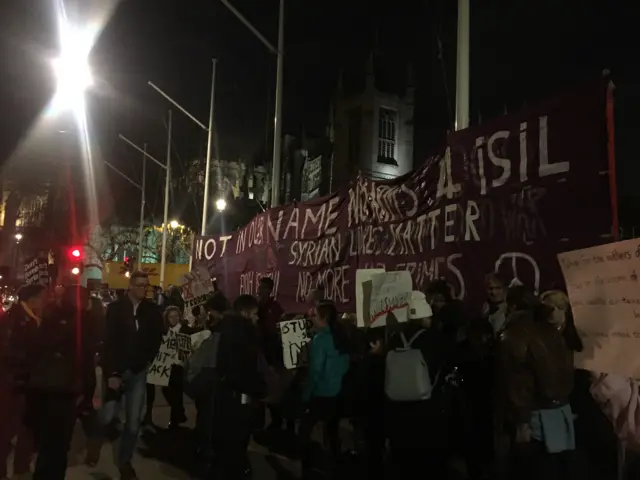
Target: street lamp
18,237
71,68
174,224
221,204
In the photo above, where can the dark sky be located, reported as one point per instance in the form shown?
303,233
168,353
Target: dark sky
521,51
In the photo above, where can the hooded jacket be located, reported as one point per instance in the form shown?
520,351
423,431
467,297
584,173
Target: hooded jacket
535,368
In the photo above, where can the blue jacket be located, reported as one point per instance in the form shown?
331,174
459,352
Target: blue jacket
327,367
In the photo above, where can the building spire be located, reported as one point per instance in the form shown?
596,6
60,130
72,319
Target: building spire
371,77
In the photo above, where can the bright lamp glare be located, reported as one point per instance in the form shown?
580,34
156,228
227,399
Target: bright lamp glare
174,224
72,71
221,204
75,270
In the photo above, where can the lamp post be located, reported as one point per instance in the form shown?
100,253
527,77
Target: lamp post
142,201
167,168
462,69
277,121
209,130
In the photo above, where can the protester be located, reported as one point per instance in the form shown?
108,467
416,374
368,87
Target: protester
239,385
269,314
17,327
472,420
200,373
173,393
448,313
417,427
328,364
56,365
133,337
370,408
494,309
535,375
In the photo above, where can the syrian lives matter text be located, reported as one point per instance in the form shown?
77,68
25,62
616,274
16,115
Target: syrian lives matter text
485,203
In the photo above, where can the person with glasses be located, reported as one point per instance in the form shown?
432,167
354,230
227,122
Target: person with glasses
133,336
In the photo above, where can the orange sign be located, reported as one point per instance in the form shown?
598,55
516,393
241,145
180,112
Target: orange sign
113,274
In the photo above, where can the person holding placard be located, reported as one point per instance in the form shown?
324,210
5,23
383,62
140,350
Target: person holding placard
535,379
416,426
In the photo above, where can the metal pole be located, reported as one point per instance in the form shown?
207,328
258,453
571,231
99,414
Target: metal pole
142,202
277,130
207,172
165,225
462,71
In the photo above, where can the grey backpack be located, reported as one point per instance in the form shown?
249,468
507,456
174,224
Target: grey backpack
200,367
407,376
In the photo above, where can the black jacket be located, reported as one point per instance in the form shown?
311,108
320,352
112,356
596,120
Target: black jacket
238,356
125,347
237,374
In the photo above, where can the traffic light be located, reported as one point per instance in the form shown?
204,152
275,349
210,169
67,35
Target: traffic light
129,263
76,260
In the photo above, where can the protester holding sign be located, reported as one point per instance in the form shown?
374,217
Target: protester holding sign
173,391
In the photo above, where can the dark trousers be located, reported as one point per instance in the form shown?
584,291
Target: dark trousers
231,458
173,394
52,417
321,410
374,439
531,461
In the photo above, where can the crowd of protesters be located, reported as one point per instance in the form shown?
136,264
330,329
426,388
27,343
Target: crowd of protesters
491,394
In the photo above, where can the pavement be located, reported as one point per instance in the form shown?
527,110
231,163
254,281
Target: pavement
166,454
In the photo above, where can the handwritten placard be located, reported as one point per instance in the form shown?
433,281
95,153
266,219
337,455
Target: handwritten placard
175,349
296,334
195,288
604,290
390,293
363,301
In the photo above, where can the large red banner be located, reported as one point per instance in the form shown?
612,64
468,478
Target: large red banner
507,196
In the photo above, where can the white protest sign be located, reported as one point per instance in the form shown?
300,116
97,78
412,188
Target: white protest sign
296,334
390,293
604,291
174,350
195,287
363,275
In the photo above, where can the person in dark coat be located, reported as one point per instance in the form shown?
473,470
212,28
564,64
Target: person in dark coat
22,319
239,385
133,336
57,367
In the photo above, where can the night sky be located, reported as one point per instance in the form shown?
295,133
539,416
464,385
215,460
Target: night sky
520,51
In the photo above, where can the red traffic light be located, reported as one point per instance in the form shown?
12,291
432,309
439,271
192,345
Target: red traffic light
75,253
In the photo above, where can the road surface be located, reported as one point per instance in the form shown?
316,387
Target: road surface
161,454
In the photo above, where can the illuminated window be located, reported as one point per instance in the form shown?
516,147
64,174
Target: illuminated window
387,136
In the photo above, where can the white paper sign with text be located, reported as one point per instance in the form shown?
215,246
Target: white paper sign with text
363,275
174,350
604,290
390,293
195,286
296,335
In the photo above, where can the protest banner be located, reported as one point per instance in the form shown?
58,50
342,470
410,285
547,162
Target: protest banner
604,291
174,350
507,195
363,301
390,293
296,335
36,271
195,287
